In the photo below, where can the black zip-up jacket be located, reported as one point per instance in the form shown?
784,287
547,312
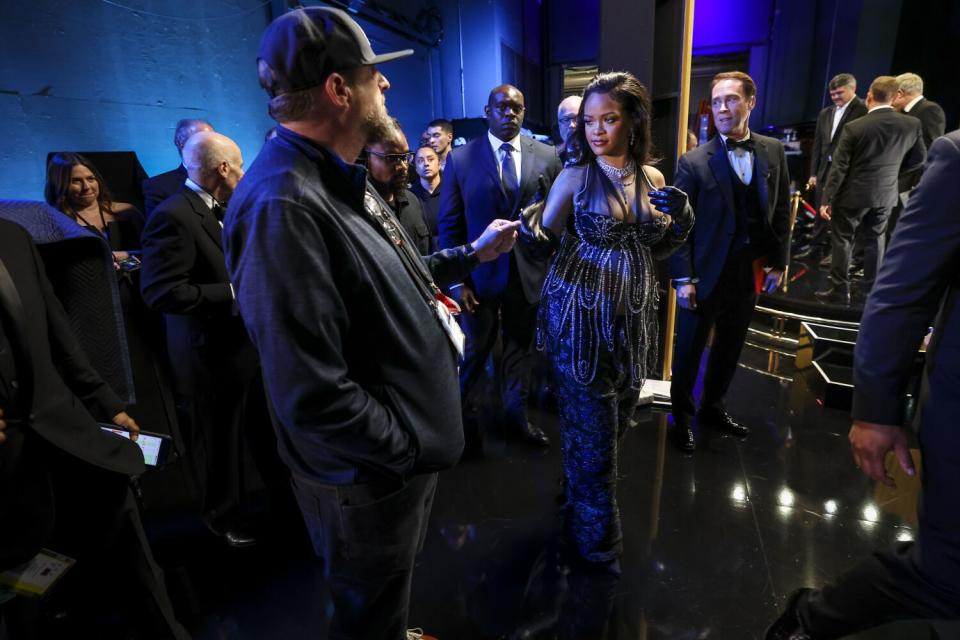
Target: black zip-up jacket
361,376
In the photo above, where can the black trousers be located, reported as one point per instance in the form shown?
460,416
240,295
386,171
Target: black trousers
727,309
368,536
514,317
872,223
223,416
915,580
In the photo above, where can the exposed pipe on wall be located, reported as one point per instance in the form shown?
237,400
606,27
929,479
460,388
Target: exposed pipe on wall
833,35
463,86
361,9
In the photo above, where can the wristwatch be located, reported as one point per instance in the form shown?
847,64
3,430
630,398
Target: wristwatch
470,255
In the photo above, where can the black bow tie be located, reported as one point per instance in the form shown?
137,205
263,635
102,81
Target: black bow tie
746,145
219,210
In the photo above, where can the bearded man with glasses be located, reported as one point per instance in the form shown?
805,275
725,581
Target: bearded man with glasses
388,164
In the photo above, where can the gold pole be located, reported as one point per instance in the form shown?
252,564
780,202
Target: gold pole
794,208
682,125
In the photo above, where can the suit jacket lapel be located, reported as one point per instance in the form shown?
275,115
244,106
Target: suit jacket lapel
488,160
844,117
208,221
761,171
528,175
11,307
720,167
829,123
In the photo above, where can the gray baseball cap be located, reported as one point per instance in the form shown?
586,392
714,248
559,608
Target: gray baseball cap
304,46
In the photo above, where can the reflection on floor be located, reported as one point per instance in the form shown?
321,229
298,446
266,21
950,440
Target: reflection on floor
714,542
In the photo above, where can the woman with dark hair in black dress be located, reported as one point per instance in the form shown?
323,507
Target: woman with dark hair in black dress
610,215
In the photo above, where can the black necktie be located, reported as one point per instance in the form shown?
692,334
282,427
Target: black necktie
218,210
508,172
746,145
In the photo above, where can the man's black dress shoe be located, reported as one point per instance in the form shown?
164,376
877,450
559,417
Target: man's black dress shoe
239,538
720,419
534,435
826,260
803,251
788,625
834,293
682,435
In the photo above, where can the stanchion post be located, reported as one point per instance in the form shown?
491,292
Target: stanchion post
682,124
795,200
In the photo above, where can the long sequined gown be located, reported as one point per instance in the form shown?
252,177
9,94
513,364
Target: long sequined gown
598,325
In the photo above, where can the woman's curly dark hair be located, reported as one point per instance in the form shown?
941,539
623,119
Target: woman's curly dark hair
634,99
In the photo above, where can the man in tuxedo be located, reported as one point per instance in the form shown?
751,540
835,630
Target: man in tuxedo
846,107
494,176
64,483
184,276
917,284
739,187
861,188
162,186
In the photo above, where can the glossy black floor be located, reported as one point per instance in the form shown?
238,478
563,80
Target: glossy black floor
713,542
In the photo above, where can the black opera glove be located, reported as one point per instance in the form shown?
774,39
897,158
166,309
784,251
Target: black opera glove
540,241
669,200
673,202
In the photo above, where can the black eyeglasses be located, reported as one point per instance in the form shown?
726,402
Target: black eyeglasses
393,158
568,120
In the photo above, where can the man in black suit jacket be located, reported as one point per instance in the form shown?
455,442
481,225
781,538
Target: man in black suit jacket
494,177
862,186
162,186
184,276
909,99
846,108
917,284
64,481
739,187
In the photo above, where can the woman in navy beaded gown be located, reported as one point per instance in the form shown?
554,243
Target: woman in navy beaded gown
610,216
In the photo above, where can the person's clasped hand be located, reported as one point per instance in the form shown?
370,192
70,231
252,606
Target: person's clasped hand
498,238
687,296
870,442
3,426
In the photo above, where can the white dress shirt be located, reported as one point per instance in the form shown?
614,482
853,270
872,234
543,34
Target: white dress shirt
208,199
912,104
838,116
740,159
495,144
879,106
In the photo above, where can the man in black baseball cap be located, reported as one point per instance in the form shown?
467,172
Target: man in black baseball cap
359,351
301,48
